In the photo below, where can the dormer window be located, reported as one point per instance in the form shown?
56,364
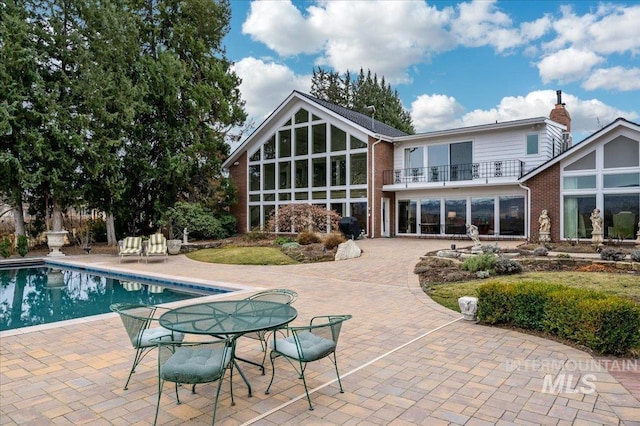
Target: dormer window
533,144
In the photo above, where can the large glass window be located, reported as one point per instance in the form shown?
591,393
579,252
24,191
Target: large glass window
358,168
511,215
319,172
284,175
359,211
284,143
482,215
588,162
302,116
338,139
270,148
302,140
255,156
430,216
461,155
302,173
621,152
621,180
407,211
319,136
532,144
579,182
357,143
338,170
620,215
456,216
254,178
577,212
269,182
254,217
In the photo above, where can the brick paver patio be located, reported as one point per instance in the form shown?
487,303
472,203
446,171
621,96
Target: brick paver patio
404,360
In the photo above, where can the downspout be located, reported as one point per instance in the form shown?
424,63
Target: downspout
528,222
373,188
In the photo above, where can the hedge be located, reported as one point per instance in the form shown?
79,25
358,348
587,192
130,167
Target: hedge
606,323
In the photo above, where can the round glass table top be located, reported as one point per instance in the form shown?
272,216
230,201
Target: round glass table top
228,317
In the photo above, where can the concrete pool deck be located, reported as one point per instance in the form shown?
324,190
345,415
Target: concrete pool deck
404,359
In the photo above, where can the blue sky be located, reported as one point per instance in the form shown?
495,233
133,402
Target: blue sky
453,63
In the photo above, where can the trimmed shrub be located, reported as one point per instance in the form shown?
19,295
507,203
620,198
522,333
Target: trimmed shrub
23,245
200,222
635,255
303,217
257,234
606,323
481,262
491,249
5,247
540,251
333,240
306,238
611,254
506,266
283,240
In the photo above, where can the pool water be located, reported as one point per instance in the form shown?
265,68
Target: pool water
43,295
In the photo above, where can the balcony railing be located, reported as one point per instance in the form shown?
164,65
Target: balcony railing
458,172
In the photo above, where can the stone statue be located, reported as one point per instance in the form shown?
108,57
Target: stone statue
596,221
545,226
472,232
468,307
185,235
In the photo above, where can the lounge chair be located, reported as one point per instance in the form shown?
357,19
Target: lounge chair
156,245
130,246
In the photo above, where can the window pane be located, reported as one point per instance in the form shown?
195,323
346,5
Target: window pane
284,175
588,162
338,170
430,216
622,180
302,195
255,156
302,173
482,215
302,116
338,139
532,144
319,195
579,182
270,148
461,157
319,172
577,212
339,208
414,157
302,140
254,217
254,178
359,211
621,152
284,196
268,213
511,216
319,138
621,215
284,143
269,197
359,168
254,197
456,219
438,155
339,194
358,193
357,143
269,176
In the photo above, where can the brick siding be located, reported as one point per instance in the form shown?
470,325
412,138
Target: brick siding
545,194
238,175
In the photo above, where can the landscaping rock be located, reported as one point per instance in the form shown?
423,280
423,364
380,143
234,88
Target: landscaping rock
348,250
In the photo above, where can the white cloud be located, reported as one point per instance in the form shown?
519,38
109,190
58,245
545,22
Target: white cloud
479,23
266,84
568,65
616,78
434,112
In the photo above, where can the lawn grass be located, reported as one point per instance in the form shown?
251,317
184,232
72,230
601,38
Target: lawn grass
233,255
627,286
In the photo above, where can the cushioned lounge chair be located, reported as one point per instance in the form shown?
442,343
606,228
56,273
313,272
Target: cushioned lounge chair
130,246
156,245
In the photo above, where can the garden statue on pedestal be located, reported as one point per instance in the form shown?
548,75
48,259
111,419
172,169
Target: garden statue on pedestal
596,224
56,237
472,232
545,227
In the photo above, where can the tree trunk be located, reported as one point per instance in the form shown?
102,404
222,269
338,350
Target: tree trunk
18,219
111,230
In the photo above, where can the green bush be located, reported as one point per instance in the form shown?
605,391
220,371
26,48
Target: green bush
506,266
306,238
5,247
257,234
199,222
23,245
481,262
333,240
606,323
611,254
283,240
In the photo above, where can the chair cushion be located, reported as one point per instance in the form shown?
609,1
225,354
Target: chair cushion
156,239
157,249
146,339
202,365
312,347
130,251
132,243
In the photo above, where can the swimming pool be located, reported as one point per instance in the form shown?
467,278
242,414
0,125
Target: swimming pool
46,294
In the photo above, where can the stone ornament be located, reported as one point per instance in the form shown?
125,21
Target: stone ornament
545,226
348,250
596,225
468,307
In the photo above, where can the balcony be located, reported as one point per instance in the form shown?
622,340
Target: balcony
455,173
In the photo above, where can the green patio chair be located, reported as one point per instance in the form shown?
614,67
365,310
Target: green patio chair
279,295
193,363
140,322
130,246
156,245
309,343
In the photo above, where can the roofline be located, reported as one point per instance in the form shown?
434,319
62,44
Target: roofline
584,142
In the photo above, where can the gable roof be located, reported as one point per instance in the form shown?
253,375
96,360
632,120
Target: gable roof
362,121
618,122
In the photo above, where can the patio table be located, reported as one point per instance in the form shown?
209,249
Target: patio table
229,318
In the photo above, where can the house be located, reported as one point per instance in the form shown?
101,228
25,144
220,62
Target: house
498,176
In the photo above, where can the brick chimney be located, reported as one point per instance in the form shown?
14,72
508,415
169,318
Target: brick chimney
559,113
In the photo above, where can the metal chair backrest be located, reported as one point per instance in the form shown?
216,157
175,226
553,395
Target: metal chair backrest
280,295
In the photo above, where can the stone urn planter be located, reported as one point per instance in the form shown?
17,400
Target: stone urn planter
173,246
55,240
